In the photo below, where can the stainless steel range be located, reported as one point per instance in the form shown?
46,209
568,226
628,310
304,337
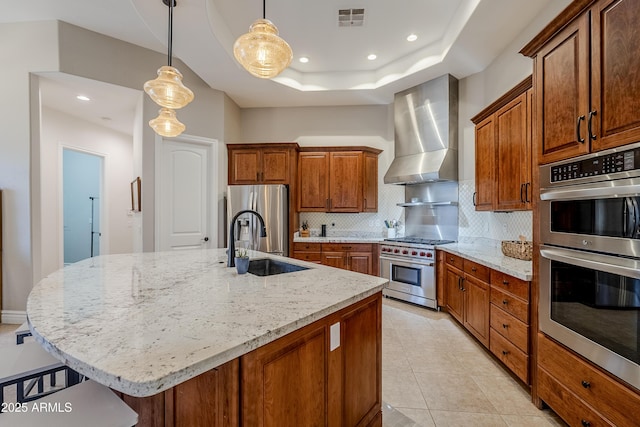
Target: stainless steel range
409,264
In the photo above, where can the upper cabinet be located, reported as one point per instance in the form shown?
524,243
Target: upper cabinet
503,152
338,179
271,163
587,79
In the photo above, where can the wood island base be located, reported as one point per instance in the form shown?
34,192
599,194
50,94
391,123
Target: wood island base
296,380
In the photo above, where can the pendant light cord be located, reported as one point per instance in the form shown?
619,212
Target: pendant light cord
264,9
171,3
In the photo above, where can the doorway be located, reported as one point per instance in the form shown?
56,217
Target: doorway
82,174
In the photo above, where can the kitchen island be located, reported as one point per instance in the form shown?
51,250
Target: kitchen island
188,341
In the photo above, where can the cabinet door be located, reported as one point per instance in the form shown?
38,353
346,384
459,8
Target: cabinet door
244,166
562,93
454,298
335,259
370,183
313,178
513,168
275,166
476,301
345,181
485,164
361,262
615,75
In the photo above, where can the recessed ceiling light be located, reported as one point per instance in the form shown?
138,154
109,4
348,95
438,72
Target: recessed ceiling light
412,38
372,57
304,59
83,98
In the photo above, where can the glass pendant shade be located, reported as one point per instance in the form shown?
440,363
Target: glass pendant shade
166,124
261,51
167,89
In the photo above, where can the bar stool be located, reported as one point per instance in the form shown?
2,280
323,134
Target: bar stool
29,361
85,404
22,332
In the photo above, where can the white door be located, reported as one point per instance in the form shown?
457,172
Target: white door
185,213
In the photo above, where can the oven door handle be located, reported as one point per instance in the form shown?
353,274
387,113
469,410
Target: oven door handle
631,216
593,261
574,192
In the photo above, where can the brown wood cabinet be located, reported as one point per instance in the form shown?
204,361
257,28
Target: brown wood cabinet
359,257
467,295
581,393
510,322
296,380
503,152
272,163
338,179
586,66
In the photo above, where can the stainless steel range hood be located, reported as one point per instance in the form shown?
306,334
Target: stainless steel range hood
426,133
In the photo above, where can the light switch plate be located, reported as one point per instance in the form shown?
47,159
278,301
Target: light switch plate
334,332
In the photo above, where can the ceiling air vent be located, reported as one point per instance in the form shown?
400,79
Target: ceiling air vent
350,17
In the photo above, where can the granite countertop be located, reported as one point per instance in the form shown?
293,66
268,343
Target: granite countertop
492,257
143,323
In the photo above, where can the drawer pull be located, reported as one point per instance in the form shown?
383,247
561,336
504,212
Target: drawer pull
586,384
451,259
505,352
505,282
585,423
505,302
474,269
505,326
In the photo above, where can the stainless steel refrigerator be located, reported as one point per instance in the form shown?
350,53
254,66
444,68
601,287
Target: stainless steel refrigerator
272,203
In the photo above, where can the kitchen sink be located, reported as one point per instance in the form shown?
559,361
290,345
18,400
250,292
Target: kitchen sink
269,267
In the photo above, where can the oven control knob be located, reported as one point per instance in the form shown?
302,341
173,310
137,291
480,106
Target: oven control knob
429,255
414,253
395,251
423,254
404,252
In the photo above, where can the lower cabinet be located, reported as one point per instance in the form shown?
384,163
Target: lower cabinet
492,306
582,394
328,373
359,257
467,295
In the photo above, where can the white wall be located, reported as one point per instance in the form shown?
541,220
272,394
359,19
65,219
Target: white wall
370,126
62,130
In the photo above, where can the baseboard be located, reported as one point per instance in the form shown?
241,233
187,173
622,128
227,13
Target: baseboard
13,317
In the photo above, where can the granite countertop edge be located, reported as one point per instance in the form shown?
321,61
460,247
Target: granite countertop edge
491,257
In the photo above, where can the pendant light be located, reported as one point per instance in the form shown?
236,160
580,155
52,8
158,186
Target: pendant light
167,124
168,91
261,51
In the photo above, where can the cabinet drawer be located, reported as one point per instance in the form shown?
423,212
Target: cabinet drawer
477,270
511,328
510,355
510,304
303,246
454,260
570,408
510,284
614,401
308,256
349,247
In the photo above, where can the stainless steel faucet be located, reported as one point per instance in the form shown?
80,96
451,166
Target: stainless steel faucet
231,251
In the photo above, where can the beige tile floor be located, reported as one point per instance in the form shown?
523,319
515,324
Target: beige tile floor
436,374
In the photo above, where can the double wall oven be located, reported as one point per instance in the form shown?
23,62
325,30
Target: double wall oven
590,258
409,264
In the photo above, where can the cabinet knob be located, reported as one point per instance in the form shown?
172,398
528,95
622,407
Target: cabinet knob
505,282
474,269
585,423
505,302
505,352
505,326
586,384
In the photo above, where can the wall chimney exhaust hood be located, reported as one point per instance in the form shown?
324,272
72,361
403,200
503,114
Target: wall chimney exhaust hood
426,133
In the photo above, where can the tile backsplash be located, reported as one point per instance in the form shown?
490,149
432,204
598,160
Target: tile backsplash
495,226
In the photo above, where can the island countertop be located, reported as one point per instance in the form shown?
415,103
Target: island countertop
143,323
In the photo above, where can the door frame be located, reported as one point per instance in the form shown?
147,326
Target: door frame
212,209
104,195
